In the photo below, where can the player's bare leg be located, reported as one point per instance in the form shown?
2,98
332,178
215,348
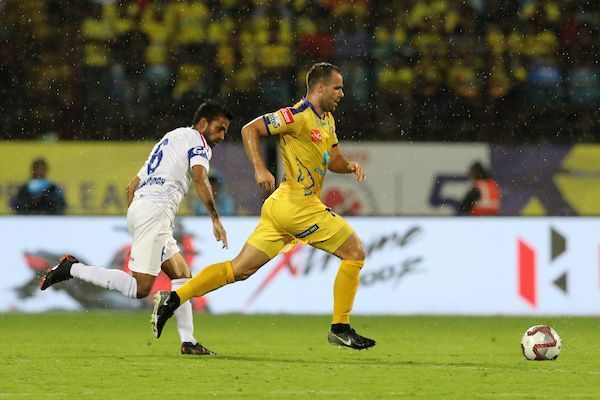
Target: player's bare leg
144,283
352,254
247,262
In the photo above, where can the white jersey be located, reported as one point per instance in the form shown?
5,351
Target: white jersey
165,177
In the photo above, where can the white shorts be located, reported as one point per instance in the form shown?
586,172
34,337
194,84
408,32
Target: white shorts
152,233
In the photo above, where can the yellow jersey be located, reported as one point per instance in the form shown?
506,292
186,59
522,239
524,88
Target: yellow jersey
306,140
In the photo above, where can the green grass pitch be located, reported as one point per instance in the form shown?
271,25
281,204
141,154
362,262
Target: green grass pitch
113,355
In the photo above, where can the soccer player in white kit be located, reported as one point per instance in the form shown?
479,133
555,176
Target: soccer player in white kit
180,158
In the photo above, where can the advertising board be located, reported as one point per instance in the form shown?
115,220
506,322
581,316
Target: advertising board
473,266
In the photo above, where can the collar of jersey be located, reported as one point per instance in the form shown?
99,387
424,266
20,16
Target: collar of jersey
313,108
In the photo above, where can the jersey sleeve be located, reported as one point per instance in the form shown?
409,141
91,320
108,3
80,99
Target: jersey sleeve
142,172
199,152
282,121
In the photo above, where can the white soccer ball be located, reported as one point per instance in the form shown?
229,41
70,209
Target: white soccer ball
540,342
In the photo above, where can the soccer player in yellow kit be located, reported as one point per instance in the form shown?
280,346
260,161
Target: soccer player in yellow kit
294,211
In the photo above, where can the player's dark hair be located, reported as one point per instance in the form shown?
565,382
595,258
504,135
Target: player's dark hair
211,110
320,71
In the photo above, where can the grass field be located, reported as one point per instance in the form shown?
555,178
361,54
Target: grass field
112,355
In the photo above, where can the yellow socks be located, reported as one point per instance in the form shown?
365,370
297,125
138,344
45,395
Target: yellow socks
210,278
220,274
344,290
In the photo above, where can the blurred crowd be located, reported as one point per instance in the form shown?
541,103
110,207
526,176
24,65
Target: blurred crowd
508,71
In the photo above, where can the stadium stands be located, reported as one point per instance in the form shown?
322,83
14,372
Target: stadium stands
415,70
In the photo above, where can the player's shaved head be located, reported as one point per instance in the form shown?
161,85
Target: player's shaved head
211,110
320,72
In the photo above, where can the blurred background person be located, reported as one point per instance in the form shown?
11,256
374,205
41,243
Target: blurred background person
484,196
224,202
39,195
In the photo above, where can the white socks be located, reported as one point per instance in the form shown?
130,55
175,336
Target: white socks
184,315
113,279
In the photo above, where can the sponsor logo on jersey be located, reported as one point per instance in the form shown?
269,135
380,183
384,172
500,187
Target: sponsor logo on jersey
315,135
308,231
274,120
197,151
287,115
152,180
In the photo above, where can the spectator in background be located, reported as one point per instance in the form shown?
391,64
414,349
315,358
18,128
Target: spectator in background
352,52
224,202
518,57
583,83
97,34
39,195
158,24
484,196
315,39
274,55
130,67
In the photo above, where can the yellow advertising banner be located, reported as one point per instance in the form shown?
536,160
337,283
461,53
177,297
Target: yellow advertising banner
579,179
93,175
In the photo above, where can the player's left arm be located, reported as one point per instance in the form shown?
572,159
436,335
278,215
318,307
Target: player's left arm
204,191
131,189
340,164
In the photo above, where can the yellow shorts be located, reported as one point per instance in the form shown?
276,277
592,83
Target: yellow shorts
283,221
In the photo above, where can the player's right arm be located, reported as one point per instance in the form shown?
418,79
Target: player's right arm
204,190
251,133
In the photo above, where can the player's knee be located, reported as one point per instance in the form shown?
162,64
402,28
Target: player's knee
245,267
357,253
352,249
182,275
142,292
143,289
361,253
242,273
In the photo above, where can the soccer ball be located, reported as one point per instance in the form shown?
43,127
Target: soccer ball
540,342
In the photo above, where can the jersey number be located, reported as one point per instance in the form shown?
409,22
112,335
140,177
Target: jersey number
156,157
